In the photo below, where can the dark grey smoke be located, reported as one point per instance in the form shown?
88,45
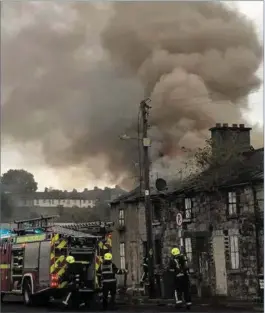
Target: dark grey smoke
73,76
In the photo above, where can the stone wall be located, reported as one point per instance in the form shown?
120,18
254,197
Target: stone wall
210,213
209,218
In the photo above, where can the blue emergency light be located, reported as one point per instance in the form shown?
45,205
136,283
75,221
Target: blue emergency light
6,233
35,231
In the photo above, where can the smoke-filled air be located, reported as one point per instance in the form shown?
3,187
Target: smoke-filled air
73,76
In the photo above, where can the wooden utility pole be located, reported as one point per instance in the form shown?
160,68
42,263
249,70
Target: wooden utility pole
148,208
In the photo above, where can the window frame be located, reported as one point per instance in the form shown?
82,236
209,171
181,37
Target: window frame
234,251
188,208
122,255
188,248
234,203
121,218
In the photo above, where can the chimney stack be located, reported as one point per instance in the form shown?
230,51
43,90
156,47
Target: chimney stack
230,138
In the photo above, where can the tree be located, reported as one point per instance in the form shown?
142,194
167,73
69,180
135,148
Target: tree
19,181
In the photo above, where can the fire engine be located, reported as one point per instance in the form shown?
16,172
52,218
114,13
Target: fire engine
32,258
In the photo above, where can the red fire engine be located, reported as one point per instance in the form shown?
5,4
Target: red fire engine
32,258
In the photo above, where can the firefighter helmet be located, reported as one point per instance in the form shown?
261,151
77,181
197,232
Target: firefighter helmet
108,256
175,251
70,259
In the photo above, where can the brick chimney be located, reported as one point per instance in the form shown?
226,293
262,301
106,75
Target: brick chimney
234,138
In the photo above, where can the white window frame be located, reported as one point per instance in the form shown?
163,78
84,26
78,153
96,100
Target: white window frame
122,255
121,217
232,203
188,208
234,251
188,248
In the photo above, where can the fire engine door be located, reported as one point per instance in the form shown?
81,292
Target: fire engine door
44,264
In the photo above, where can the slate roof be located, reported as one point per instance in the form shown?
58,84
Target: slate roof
248,168
243,170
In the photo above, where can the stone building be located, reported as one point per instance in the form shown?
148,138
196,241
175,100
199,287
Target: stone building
222,222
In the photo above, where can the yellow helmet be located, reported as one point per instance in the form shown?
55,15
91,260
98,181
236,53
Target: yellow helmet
70,259
108,256
175,251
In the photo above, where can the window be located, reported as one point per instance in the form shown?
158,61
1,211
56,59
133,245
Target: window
188,249
234,252
122,255
188,208
232,203
37,201
121,217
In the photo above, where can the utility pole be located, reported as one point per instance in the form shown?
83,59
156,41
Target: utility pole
148,209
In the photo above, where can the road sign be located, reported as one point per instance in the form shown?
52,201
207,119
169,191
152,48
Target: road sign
179,219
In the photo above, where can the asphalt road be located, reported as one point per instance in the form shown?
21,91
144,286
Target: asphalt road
16,306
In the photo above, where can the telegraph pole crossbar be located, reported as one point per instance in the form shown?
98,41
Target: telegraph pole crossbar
148,208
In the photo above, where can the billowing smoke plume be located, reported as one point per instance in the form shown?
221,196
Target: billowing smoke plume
74,74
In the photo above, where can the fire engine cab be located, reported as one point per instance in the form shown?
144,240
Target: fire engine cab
33,258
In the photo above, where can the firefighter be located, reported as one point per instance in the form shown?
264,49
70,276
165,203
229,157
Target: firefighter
70,273
178,265
108,271
145,271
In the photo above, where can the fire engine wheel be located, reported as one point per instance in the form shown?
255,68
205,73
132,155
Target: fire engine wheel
27,294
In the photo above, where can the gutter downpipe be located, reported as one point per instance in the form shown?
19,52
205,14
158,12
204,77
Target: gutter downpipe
260,276
257,228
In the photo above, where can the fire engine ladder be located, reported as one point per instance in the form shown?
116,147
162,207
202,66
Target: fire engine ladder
42,222
62,230
98,227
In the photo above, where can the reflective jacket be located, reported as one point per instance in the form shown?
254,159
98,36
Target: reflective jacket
108,271
179,265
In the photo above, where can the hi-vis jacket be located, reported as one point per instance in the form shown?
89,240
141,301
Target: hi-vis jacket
179,265
108,271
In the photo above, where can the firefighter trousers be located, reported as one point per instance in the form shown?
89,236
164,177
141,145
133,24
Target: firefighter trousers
109,288
182,289
144,278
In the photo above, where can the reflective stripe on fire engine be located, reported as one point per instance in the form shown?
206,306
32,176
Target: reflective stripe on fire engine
56,263
4,266
63,284
103,246
55,238
98,262
62,270
62,244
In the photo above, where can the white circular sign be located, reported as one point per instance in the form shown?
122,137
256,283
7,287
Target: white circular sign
179,219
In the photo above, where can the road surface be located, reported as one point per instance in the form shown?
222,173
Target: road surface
15,305
18,307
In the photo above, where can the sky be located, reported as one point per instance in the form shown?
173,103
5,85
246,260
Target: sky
46,177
